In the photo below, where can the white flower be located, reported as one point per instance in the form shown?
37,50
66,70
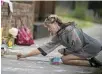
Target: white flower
13,32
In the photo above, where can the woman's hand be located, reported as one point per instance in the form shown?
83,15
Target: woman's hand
31,53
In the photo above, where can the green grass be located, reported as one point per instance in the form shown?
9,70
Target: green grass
80,23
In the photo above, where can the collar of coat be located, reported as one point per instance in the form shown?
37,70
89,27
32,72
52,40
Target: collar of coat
67,28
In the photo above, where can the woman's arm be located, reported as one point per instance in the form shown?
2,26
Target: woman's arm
31,53
50,46
44,49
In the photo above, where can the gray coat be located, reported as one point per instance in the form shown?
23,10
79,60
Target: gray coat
75,41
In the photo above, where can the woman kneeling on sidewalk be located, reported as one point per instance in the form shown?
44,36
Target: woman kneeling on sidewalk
80,49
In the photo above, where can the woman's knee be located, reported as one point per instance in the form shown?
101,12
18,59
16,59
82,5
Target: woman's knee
64,59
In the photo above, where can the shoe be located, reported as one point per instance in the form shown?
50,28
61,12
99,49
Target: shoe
95,63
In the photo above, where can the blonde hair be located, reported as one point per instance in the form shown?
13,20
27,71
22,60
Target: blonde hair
54,18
